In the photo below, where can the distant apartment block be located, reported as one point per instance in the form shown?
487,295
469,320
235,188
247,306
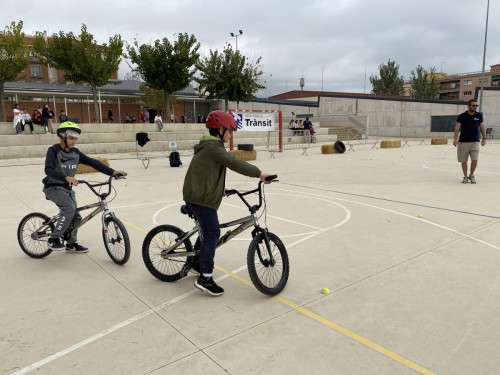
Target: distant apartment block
463,86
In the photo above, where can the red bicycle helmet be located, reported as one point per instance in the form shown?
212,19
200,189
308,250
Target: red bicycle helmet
221,119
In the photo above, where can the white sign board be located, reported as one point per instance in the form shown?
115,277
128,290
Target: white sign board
254,122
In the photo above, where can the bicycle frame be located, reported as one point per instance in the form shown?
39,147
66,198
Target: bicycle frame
102,206
244,223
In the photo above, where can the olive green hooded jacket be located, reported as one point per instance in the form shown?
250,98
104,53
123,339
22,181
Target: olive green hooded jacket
205,179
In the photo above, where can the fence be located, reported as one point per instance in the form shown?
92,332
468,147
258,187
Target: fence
160,145
291,140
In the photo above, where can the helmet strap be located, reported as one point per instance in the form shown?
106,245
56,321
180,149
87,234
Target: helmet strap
221,136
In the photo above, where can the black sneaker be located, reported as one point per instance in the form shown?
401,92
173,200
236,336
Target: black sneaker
207,284
75,248
55,244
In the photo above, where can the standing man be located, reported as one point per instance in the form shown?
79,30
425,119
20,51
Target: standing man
471,127
110,114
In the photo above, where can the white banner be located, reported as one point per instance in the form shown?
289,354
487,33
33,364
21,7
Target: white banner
254,122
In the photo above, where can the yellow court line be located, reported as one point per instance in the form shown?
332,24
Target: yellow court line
339,328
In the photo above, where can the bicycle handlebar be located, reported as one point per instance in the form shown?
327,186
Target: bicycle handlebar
92,186
253,209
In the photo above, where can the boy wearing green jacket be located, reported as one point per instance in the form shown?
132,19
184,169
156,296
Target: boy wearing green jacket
204,187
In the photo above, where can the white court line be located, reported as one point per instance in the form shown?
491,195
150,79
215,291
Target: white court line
182,296
145,204
146,313
410,217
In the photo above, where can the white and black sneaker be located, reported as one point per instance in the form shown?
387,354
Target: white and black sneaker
465,180
75,248
55,244
207,284
472,179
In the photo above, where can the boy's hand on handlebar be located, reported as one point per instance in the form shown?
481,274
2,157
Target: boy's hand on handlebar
121,173
263,177
71,181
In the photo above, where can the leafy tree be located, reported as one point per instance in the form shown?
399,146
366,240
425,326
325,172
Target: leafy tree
165,66
229,75
155,98
14,58
390,82
81,58
424,84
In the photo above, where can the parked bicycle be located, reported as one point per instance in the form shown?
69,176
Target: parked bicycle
169,255
35,229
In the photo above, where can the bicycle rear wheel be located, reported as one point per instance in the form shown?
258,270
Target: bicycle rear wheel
269,277
166,267
33,234
116,240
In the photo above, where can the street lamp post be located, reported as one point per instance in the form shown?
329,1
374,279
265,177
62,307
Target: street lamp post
484,57
236,36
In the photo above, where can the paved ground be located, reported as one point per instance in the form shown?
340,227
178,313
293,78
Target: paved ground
408,295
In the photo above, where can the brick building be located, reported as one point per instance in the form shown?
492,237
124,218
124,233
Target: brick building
463,86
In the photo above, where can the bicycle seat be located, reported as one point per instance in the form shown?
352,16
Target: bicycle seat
185,210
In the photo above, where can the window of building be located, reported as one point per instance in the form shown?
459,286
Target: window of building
452,85
36,71
468,82
485,80
467,93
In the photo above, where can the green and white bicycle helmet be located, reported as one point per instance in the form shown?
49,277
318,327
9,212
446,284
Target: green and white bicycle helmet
68,128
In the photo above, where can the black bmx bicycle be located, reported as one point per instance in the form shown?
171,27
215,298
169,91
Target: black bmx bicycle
35,229
169,255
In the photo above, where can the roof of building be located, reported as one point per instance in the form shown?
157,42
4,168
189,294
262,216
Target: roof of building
126,87
299,94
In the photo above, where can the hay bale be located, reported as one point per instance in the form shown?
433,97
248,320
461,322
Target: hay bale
82,168
390,143
328,149
439,141
244,155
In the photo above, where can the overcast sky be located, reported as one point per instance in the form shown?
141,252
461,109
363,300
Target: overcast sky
331,43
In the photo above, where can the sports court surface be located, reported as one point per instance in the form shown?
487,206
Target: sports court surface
408,294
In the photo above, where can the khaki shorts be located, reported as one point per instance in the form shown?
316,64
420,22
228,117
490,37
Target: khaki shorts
464,149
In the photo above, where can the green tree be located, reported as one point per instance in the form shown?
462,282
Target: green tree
153,98
81,58
424,83
165,66
229,75
389,82
14,58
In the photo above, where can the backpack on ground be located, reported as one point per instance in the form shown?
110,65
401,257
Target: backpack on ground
175,159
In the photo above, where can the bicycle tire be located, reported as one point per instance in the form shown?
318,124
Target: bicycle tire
268,279
116,240
34,245
166,268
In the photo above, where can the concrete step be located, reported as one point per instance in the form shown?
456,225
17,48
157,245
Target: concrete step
121,138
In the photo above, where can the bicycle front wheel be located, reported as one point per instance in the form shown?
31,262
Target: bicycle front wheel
116,240
268,275
173,265
33,233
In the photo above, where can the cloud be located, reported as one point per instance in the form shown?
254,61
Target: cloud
332,42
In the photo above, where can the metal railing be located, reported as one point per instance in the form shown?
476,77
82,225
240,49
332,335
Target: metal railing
292,140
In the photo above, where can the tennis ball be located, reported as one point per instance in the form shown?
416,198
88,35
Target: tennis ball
420,216
325,291
126,184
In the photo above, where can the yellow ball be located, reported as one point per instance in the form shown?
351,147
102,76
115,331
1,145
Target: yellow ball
325,291
420,216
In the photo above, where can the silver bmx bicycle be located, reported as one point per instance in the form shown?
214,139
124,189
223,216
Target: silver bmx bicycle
35,229
168,253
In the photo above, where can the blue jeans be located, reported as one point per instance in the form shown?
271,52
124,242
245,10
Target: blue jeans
210,231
